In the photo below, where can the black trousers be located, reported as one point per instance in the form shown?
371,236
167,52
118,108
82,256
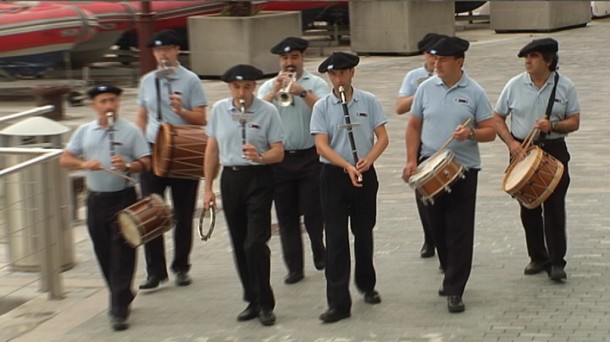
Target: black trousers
116,258
452,221
342,202
247,195
297,192
545,226
184,197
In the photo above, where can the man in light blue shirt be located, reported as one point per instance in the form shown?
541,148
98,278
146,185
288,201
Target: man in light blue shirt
453,106
171,94
297,177
106,148
406,94
245,136
350,135
525,98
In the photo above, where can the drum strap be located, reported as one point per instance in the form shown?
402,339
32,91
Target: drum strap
549,106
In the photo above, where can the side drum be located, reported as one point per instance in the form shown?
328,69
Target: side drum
533,179
145,220
179,151
435,175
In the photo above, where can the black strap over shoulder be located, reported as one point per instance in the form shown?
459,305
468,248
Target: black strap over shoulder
549,106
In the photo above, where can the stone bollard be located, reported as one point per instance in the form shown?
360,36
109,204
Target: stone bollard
51,95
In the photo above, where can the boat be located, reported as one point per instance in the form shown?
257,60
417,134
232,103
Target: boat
36,38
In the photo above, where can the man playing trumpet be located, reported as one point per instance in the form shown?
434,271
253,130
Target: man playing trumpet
297,178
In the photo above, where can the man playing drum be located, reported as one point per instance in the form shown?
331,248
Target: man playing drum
348,183
297,177
442,105
525,97
106,148
406,93
245,136
174,95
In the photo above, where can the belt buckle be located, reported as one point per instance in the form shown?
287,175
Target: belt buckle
234,168
292,151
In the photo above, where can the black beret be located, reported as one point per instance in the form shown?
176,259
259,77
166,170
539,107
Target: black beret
242,72
339,61
429,39
449,46
543,45
290,44
102,89
165,37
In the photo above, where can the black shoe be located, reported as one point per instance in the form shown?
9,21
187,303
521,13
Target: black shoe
249,313
266,317
535,267
427,250
152,282
119,323
319,262
294,277
441,291
372,297
557,273
183,279
334,315
455,304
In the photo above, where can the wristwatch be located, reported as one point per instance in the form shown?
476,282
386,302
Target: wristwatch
303,93
128,167
471,135
554,126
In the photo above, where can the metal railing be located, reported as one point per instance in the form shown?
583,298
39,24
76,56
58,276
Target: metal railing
35,214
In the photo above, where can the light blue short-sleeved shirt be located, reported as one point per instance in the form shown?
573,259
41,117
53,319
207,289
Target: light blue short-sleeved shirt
296,118
184,81
263,129
527,104
412,80
92,142
443,109
364,110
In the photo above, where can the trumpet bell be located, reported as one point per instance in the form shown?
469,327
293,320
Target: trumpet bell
283,99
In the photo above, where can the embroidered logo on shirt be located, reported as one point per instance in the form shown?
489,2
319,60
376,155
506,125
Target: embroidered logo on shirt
462,101
364,115
255,126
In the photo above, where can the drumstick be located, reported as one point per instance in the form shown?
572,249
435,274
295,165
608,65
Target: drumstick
119,174
444,146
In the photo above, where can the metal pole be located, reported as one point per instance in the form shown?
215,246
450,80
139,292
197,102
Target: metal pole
146,30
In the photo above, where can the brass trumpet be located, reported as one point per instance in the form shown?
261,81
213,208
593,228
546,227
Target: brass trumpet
284,98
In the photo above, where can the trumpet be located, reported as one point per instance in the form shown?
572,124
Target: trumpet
284,98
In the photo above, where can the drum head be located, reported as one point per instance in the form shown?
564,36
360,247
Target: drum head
129,229
521,170
429,165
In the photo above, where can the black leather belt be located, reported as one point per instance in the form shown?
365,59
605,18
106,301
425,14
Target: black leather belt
106,194
238,168
299,151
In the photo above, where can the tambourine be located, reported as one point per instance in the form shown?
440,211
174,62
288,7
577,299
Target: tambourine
212,217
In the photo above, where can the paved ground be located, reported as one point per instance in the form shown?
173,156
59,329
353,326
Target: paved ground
502,303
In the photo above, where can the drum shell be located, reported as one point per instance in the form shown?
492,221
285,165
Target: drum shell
150,217
539,182
438,179
179,151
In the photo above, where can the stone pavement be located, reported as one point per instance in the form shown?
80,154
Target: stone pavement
502,304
